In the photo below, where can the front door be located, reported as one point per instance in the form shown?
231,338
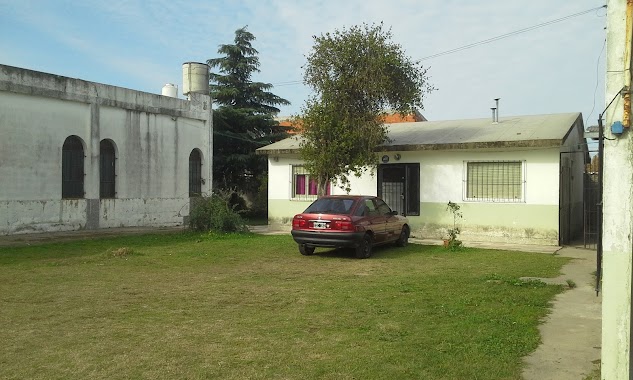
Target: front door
399,187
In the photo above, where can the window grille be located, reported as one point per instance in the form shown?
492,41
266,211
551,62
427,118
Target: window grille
304,187
72,168
107,173
195,173
494,181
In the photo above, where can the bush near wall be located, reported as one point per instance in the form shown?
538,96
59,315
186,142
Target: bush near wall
214,213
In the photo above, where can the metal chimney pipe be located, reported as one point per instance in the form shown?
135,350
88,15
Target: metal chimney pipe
494,119
497,107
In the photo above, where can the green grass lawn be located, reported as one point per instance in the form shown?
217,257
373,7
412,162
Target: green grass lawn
186,306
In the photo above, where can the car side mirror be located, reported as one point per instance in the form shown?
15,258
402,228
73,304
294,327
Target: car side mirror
393,213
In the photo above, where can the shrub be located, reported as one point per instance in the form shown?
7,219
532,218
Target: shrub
454,243
214,213
259,204
235,201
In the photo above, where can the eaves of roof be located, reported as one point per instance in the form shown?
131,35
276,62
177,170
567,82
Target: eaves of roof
532,131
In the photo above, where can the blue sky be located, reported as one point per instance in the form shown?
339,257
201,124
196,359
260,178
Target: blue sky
142,45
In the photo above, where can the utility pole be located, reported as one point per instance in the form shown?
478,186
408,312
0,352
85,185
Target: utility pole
617,197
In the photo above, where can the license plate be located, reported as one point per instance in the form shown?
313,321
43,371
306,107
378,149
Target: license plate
319,225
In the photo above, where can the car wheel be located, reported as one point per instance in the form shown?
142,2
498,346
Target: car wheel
363,250
403,239
306,250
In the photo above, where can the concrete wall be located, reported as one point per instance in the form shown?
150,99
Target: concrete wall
617,200
153,136
574,150
535,220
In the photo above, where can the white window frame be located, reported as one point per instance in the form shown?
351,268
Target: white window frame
523,182
300,170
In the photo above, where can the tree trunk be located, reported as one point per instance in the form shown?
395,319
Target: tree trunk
322,186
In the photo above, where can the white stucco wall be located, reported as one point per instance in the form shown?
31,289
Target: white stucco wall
442,175
153,137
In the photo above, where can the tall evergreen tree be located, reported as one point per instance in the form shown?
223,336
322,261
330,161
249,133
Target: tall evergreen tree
244,117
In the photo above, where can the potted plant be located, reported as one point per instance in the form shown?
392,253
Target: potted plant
452,242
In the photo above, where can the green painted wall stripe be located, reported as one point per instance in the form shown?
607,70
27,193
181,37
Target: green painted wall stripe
516,215
489,221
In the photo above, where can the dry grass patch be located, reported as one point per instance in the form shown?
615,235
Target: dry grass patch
122,252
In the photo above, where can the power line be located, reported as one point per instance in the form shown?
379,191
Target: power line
287,82
595,90
240,138
506,35
482,42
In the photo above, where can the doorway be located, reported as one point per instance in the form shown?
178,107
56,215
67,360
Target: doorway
399,187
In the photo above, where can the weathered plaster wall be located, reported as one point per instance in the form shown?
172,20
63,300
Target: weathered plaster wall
32,132
442,175
153,137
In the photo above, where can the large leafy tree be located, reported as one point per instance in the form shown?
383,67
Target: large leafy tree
244,118
357,75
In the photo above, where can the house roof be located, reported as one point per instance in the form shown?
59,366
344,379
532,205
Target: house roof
392,117
514,131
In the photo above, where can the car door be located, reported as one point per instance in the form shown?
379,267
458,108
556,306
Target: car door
392,222
375,219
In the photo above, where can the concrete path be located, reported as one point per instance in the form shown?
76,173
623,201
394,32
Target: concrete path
571,334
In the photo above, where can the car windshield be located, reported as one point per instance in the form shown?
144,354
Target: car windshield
330,206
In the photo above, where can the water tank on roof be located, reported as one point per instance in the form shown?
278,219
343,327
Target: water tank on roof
170,90
195,78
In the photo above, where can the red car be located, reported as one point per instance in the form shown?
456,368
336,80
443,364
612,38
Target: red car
358,222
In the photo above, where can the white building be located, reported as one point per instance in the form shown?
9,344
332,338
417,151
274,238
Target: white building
82,155
518,179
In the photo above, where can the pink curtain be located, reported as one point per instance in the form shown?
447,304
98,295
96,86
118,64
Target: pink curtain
300,184
313,188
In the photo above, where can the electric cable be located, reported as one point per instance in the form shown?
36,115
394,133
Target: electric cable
595,90
506,35
482,42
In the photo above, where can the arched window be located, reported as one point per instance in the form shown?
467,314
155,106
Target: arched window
195,173
108,169
73,168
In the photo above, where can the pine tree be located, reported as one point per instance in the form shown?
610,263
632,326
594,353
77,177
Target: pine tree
244,117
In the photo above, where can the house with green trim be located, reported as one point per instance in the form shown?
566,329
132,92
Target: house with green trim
517,179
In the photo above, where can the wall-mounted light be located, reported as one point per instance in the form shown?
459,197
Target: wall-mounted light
396,156
276,159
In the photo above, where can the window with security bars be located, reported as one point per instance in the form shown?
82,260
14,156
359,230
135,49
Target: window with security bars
195,173
494,181
72,168
304,187
107,187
